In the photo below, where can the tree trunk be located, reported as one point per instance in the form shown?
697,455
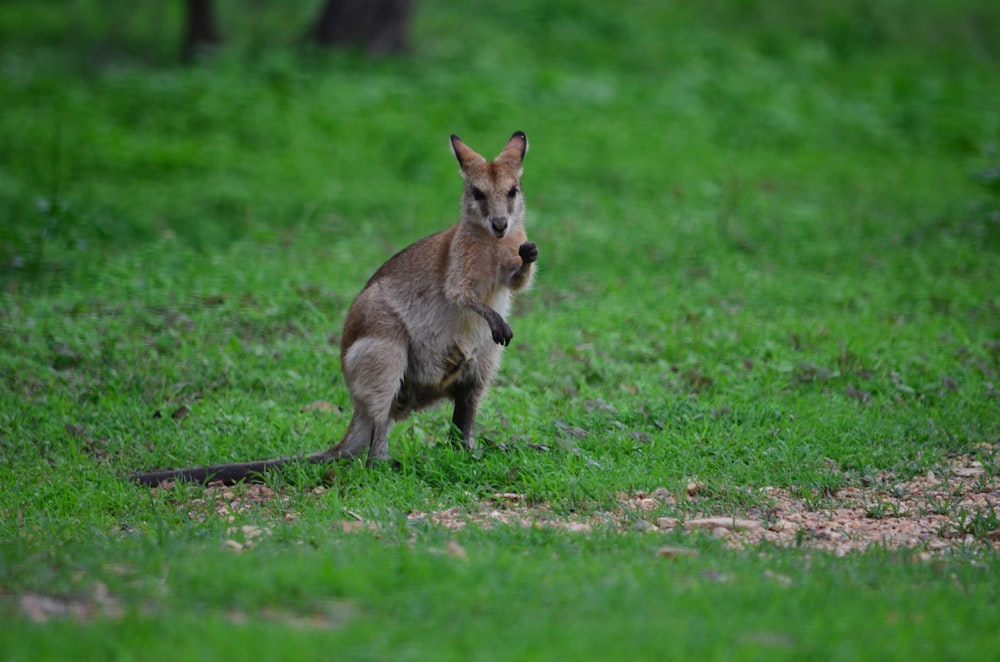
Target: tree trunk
202,29
378,26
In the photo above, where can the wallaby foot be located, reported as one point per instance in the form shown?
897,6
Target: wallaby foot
391,462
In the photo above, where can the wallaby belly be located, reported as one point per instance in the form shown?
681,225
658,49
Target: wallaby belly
445,341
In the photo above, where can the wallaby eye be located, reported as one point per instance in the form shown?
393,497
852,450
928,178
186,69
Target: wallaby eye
512,193
477,194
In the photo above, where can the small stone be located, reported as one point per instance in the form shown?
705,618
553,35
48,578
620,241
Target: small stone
666,523
233,545
577,527
694,488
647,504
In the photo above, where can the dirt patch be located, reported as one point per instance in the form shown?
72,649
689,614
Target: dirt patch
954,506
99,602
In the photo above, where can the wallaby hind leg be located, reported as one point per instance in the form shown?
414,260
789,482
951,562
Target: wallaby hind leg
467,397
374,370
468,392
378,449
356,440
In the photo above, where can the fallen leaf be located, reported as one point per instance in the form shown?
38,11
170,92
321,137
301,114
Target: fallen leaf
600,405
65,358
715,576
508,496
722,523
213,299
320,405
967,472
784,580
565,430
353,526
671,552
40,608
696,381
456,550
249,531
857,394
577,527
694,488
769,639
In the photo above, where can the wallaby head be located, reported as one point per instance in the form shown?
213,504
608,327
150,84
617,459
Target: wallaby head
492,198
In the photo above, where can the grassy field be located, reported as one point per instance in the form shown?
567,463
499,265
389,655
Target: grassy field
769,262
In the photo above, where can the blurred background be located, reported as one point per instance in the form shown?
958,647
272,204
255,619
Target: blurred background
205,121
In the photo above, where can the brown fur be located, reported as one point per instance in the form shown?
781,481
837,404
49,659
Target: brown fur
430,324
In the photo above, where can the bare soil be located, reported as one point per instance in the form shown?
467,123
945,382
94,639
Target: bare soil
954,506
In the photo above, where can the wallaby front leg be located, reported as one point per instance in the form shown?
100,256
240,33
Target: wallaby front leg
528,253
500,330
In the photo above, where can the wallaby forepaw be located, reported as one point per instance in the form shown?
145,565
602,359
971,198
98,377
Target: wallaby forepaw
502,333
528,252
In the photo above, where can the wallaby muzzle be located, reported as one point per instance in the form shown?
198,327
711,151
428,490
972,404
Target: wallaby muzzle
499,225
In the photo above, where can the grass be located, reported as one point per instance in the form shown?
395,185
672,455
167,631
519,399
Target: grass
769,245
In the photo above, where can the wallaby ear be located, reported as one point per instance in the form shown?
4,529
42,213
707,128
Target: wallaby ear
466,156
515,149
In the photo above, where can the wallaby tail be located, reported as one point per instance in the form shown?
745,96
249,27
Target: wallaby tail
355,443
228,474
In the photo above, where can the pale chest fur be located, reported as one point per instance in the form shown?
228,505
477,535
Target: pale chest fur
444,334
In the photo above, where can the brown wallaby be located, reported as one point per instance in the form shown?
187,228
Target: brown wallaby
430,323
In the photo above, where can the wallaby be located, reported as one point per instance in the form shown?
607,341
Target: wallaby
431,322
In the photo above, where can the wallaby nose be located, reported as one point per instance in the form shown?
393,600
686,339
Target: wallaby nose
499,224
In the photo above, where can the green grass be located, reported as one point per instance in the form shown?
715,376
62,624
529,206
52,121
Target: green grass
769,253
